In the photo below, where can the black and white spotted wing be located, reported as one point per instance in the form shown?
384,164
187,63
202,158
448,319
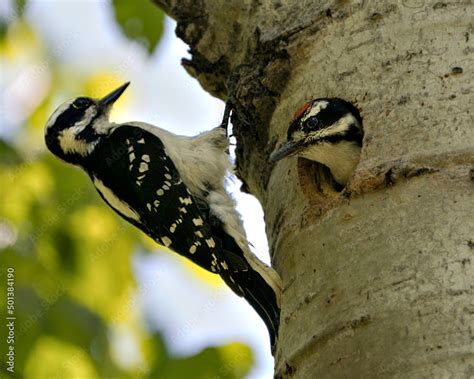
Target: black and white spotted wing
139,173
141,183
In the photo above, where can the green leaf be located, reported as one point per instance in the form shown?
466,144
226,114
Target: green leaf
140,20
5,22
8,154
20,7
231,361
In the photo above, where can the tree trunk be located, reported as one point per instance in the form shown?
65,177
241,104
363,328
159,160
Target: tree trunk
378,279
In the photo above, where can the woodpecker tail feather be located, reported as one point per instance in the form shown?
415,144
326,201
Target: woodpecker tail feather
259,293
243,272
263,299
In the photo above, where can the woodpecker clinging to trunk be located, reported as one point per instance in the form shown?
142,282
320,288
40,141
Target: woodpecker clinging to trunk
328,131
171,187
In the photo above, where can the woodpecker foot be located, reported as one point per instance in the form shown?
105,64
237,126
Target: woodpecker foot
226,117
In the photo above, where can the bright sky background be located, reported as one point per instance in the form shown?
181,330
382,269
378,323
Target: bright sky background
190,314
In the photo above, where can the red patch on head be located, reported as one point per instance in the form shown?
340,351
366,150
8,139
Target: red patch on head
301,110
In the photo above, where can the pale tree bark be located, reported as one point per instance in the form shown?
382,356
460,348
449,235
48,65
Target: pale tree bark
378,279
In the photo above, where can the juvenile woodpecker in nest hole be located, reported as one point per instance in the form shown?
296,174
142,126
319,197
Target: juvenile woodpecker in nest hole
328,131
170,187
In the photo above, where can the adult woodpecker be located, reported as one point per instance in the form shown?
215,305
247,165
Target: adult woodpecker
328,131
170,187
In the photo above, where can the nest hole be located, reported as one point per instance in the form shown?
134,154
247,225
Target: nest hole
316,179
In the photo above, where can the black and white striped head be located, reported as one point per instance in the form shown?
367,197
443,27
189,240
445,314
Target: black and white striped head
328,131
77,126
321,121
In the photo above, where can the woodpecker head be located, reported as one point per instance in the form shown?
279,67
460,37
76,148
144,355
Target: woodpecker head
328,131
77,126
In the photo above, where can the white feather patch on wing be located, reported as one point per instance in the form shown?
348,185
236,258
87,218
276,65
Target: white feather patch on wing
117,204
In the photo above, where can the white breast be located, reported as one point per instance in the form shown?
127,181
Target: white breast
341,158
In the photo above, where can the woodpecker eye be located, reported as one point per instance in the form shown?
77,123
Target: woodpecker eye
312,123
81,103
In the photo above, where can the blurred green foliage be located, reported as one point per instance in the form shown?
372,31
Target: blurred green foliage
140,20
19,6
73,281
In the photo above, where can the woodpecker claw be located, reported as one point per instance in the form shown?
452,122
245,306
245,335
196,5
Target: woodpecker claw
226,117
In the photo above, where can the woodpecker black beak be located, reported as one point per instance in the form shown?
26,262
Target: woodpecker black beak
288,149
113,96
